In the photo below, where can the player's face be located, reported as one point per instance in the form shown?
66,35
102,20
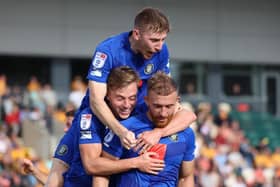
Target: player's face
122,100
150,43
161,108
68,124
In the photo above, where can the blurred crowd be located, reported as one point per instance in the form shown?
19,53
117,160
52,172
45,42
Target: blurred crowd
33,102
224,156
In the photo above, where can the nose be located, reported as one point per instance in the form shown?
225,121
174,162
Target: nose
163,112
159,45
126,103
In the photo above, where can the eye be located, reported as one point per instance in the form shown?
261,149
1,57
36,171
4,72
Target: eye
133,98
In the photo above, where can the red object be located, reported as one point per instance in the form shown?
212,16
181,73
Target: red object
12,118
140,83
243,107
160,149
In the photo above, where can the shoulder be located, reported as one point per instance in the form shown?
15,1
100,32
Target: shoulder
189,133
113,43
134,122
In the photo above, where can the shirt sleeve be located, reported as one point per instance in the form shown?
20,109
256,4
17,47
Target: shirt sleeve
64,150
88,129
190,142
112,144
100,66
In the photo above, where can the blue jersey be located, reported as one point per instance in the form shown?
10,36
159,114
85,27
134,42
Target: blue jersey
86,128
179,147
116,51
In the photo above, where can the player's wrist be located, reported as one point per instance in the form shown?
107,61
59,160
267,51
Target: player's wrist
119,130
134,163
160,131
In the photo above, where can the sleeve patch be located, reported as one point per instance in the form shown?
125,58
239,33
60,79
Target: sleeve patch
85,121
99,60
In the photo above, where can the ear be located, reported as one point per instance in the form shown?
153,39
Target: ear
107,99
146,99
136,34
178,99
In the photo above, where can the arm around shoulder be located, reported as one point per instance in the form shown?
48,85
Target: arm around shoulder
180,121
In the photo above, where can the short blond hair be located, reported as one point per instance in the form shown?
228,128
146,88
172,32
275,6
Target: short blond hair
152,19
121,77
162,84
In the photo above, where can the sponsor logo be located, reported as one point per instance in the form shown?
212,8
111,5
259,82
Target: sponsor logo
86,135
109,136
96,73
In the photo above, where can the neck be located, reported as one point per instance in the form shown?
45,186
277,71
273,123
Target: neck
132,42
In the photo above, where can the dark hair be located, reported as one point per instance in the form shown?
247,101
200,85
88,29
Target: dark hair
70,113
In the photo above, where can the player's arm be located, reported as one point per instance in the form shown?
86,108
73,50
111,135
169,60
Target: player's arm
55,178
94,164
186,176
102,111
180,121
144,163
29,168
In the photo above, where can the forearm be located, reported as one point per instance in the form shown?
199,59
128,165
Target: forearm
105,166
186,181
180,121
100,181
54,180
40,176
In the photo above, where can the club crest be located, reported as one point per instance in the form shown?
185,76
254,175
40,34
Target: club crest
149,69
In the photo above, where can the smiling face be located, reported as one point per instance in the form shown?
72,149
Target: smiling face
161,108
122,100
148,42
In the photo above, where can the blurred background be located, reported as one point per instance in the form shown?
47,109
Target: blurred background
225,56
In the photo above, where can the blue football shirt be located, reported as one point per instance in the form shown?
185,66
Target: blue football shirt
179,147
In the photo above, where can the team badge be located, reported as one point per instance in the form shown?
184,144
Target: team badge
99,60
85,121
149,69
174,137
62,150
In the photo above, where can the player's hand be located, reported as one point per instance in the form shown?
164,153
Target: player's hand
27,166
149,164
147,139
128,139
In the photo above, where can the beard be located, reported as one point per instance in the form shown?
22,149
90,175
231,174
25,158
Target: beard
160,122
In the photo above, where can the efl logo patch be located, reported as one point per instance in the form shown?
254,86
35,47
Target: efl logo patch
149,69
85,121
99,60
